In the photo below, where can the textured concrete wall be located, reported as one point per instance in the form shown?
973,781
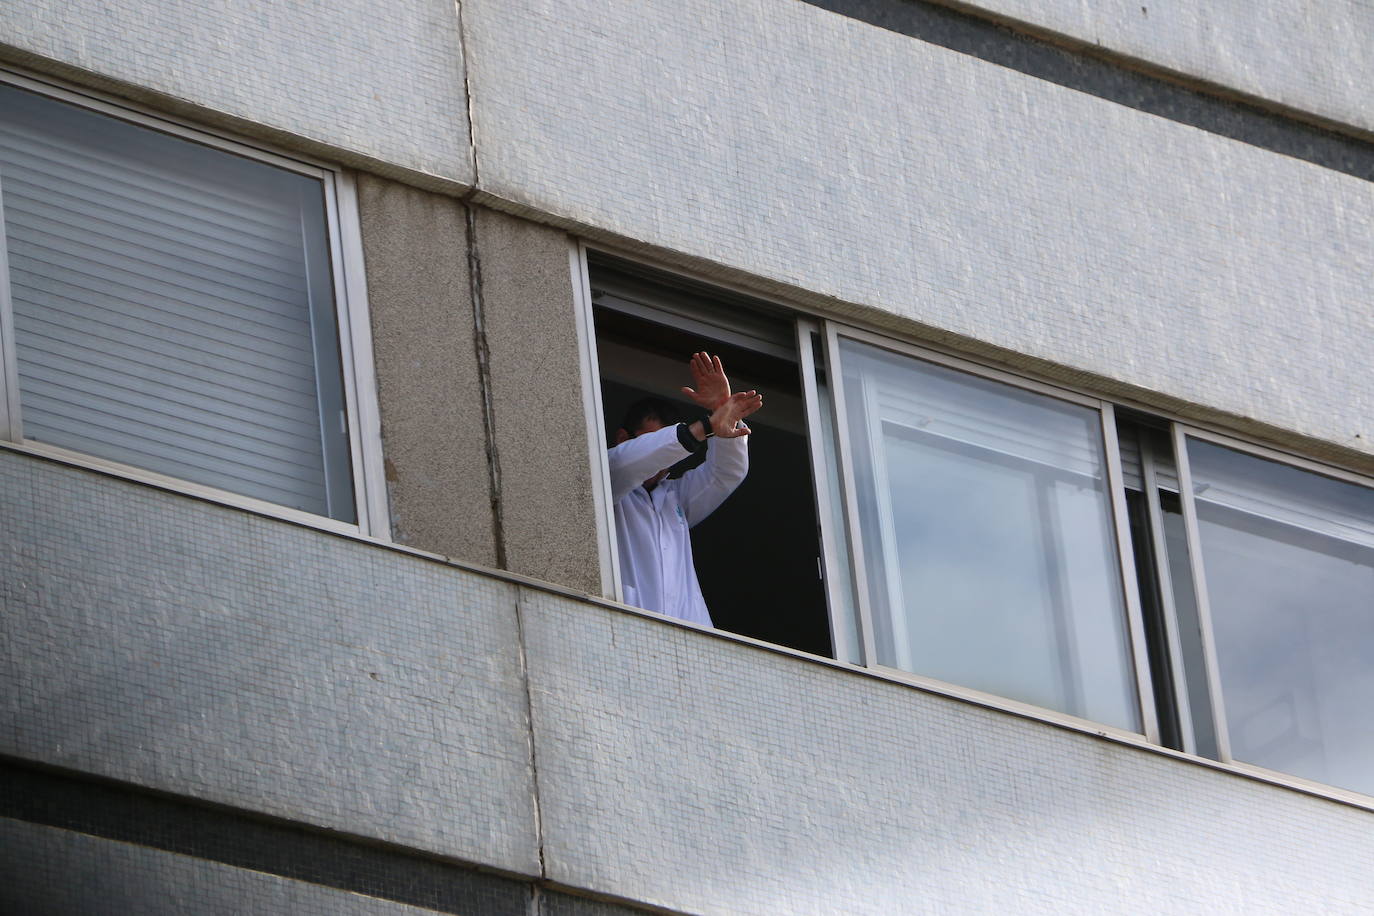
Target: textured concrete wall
547,514
837,158
428,384
210,653
44,871
1310,56
709,776
381,83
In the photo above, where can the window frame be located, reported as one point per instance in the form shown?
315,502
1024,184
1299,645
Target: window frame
842,547
1181,433
1125,566
339,195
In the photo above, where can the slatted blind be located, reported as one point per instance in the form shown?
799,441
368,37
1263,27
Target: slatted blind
172,306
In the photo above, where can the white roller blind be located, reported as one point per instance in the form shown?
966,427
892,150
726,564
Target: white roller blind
171,305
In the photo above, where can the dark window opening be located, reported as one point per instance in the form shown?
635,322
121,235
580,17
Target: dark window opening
1163,572
758,555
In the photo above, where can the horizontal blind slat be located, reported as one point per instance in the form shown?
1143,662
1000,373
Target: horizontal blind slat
242,305
174,384
96,168
168,326
276,272
224,454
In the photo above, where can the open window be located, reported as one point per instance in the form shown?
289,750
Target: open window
985,533
646,329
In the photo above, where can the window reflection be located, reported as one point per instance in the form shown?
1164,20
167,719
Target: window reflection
987,536
1289,563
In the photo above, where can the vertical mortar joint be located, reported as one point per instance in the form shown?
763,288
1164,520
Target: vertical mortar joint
484,377
536,897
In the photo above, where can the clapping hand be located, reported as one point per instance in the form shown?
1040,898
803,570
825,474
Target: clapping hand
725,418
712,387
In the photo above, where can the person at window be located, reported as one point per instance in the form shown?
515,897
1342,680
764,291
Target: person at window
666,476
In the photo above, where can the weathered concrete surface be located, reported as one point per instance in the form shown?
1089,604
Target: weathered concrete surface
416,248
541,434
218,655
942,196
345,77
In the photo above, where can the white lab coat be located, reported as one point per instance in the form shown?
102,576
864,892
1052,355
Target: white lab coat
652,528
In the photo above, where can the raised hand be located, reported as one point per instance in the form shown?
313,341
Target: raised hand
712,387
735,408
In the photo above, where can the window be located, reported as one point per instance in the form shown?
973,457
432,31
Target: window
1286,560
172,306
990,534
645,331
985,524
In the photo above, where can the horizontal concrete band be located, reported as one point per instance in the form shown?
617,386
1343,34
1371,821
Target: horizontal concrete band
47,869
941,196
385,88
1097,74
129,814
1310,57
200,651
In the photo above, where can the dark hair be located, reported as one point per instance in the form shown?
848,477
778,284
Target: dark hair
660,409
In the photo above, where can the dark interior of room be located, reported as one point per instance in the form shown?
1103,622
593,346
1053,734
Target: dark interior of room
757,556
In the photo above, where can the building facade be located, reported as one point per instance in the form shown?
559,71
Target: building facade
1051,588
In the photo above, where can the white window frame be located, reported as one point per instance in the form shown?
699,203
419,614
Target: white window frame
590,368
1135,627
1182,432
351,307
843,545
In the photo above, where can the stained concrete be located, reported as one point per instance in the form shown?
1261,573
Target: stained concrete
438,483
540,429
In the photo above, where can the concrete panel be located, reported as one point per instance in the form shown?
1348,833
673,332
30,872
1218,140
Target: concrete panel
547,512
210,653
854,165
701,774
45,871
1310,56
428,385
344,74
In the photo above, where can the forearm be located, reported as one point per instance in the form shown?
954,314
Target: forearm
706,487
636,460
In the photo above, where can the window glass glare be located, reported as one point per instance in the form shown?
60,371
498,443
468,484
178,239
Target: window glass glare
1289,563
987,536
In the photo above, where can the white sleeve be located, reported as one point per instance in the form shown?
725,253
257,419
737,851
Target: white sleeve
703,489
636,460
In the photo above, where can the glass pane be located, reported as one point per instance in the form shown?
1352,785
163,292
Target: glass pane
173,306
987,536
1289,563
1199,695
848,646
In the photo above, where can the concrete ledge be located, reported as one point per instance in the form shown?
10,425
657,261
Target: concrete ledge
211,653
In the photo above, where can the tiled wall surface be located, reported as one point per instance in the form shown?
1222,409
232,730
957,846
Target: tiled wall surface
382,82
198,650
846,160
218,655
719,778
1310,56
